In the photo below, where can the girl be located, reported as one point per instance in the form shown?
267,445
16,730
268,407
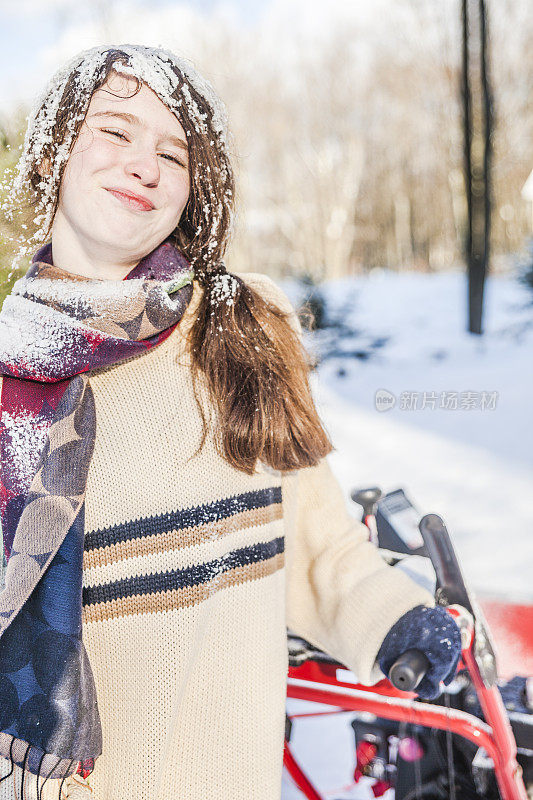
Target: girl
167,508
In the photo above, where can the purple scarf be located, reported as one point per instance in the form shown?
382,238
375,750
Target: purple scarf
55,327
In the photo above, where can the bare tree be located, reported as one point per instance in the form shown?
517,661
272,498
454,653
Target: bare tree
477,122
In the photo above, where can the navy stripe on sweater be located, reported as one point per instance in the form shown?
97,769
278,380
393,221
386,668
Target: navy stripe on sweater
182,518
181,578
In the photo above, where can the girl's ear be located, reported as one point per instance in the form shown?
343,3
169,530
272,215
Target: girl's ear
44,167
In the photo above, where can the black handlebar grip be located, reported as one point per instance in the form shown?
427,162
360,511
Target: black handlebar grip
408,670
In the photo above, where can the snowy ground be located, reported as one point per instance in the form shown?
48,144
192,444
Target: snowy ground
473,464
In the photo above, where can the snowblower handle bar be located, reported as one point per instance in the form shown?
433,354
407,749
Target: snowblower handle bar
408,670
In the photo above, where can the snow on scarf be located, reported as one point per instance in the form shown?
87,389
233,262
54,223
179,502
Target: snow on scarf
55,327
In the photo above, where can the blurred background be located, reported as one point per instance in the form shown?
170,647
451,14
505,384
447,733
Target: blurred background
346,118
384,157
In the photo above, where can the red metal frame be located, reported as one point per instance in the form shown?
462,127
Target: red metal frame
317,682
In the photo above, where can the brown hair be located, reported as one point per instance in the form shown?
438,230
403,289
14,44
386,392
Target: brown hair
253,361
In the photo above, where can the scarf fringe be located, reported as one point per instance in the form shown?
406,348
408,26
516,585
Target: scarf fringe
68,787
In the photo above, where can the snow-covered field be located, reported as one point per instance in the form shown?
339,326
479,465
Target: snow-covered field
473,465
471,462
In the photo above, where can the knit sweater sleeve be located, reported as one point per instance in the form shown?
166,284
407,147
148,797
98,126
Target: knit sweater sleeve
340,594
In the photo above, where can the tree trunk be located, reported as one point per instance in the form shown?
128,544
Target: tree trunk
477,127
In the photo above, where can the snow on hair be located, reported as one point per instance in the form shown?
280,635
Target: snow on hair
171,78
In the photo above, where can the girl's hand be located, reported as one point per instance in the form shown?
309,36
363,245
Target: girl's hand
435,633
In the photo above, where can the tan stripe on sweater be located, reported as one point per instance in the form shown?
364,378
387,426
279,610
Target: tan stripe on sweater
183,597
181,537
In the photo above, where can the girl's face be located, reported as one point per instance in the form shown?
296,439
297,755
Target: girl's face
129,146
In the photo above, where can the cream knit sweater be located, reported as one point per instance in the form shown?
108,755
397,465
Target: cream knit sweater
192,572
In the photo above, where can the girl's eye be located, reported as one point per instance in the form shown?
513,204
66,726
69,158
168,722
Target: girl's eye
114,133
163,155
173,158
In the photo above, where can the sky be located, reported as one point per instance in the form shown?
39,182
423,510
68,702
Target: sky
20,50
38,36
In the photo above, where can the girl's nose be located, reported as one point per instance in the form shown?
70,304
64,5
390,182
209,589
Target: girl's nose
145,167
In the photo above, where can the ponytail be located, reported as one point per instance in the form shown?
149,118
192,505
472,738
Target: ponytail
256,368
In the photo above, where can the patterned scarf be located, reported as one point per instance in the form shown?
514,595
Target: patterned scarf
55,327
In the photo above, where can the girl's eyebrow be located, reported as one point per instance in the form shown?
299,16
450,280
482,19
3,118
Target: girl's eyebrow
133,120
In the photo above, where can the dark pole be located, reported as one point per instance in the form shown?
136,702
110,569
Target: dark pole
488,106
477,129
467,135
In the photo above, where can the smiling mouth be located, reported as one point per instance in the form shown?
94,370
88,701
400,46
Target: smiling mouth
131,202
